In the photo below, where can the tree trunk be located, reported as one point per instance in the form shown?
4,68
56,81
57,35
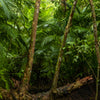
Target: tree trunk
96,46
54,85
28,70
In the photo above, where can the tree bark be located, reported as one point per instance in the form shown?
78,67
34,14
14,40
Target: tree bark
54,85
28,70
96,45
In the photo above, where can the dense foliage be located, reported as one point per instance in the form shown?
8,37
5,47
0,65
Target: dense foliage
79,57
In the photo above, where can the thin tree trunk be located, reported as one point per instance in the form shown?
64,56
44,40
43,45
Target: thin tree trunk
28,70
96,46
54,85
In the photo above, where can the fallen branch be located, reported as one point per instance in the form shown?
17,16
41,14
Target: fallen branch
70,87
65,89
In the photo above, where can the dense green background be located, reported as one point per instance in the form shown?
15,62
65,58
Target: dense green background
79,57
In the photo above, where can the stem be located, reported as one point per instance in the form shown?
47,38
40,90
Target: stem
96,46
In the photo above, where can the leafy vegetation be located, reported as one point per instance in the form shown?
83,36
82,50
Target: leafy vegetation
79,57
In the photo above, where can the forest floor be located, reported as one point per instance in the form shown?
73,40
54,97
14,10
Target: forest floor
86,92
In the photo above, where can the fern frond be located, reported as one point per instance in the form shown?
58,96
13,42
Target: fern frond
5,8
48,39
